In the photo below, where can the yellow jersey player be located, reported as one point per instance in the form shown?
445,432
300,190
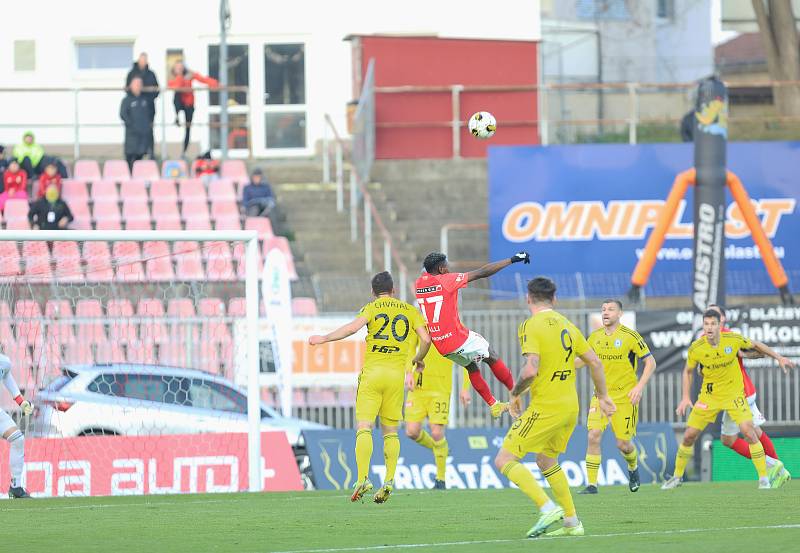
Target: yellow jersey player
390,322
550,344
722,389
429,397
620,349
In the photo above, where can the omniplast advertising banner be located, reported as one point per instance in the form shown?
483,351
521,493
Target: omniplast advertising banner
470,464
145,465
589,209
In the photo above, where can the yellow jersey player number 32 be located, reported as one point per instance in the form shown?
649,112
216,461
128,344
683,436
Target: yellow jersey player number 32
390,322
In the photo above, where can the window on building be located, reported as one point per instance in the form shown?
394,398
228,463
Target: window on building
602,9
104,55
24,55
665,9
285,73
238,131
286,129
238,71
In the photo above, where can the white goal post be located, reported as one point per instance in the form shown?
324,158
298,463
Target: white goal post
17,286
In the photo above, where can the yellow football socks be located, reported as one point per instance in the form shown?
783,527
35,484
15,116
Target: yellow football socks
440,451
684,455
558,482
425,440
592,466
759,459
527,484
363,452
631,458
391,453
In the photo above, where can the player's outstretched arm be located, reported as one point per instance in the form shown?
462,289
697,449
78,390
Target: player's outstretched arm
783,362
492,268
424,346
11,385
750,354
686,398
599,379
340,333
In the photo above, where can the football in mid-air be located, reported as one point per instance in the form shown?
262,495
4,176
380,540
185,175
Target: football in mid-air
482,125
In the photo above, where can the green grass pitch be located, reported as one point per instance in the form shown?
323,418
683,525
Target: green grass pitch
723,517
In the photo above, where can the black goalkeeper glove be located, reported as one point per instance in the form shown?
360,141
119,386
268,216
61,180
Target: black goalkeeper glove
523,257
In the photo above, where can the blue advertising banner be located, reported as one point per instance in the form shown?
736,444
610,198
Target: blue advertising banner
588,210
471,461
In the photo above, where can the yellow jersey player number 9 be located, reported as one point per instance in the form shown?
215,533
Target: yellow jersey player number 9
390,322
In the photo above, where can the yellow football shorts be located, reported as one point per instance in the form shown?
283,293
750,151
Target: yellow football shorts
706,409
380,393
541,432
623,421
423,403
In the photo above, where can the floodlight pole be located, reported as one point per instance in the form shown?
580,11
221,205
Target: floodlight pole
224,20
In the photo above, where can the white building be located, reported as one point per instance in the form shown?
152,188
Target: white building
290,55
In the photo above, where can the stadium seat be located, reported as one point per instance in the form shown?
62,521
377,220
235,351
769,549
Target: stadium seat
282,243
237,307
221,209
80,211
182,331
27,321
158,262
121,329
72,190
234,169
261,224
165,208
21,364
86,169
173,354
222,190
9,260
6,334
152,330
192,190
105,190
97,260
106,215
195,213
208,358
188,261
67,262
219,261
36,257
136,214
109,352
163,190
142,353
239,256
304,307
16,214
168,223
133,189
90,332
231,222
128,262
116,169
146,169
198,223
59,329
78,353
178,164
211,307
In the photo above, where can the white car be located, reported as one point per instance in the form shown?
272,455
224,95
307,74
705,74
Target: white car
138,400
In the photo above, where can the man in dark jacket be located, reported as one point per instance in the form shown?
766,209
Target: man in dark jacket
142,70
50,212
137,113
257,197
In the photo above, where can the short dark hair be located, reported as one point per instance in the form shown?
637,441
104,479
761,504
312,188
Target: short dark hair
715,306
542,289
382,283
433,261
712,314
610,300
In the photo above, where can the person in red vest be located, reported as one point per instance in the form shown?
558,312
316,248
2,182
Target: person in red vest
15,184
50,176
183,78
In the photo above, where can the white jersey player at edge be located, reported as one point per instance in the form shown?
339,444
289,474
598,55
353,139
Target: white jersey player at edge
15,438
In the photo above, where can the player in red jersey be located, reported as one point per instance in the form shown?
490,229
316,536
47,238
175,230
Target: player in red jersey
778,475
437,295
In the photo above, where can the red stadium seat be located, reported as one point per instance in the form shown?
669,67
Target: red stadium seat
237,307
188,261
239,256
219,261
36,256
109,352
78,353
133,189
97,260
180,307
222,190
208,359
27,321
168,223
173,354
145,169
195,213
142,353
224,208
116,169
86,169
128,262
72,190
192,190
90,332
16,214
121,329
211,307
165,207
59,313
232,222
261,224
106,215
152,330
234,169
9,260
67,262
158,262
198,223
80,211
136,214
105,190
282,243
304,307
163,190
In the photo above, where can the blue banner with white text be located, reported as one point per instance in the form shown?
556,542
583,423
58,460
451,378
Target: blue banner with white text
585,213
470,464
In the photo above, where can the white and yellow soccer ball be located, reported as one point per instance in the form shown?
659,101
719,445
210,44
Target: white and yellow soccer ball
482,125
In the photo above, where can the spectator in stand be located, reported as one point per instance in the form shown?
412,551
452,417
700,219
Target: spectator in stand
184,100
257,197
50,212
50,176
137,113
205,168
29,154
15,184
142,70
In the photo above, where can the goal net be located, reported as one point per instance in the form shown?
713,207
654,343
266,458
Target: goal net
141,355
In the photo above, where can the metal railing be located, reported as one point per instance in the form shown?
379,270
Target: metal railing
83,108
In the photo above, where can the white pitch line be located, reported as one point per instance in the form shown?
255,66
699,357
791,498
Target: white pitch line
481,542
112,505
